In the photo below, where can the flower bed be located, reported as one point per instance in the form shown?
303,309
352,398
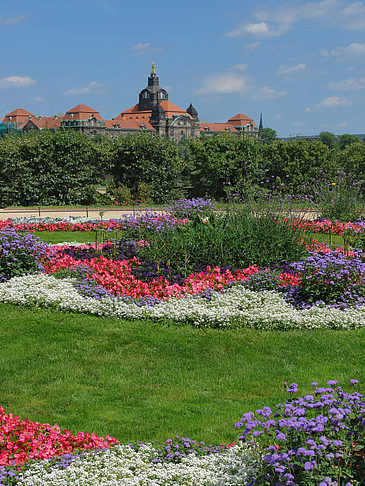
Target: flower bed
317,439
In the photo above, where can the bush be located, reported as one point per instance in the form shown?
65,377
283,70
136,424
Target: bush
19,254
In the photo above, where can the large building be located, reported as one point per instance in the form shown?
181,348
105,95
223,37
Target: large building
153,113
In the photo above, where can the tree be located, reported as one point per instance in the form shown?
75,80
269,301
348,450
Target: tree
223,163
48,168
347,139
295,163
149,159
329,139
267,135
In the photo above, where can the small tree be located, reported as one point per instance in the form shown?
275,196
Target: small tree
329,139
267,135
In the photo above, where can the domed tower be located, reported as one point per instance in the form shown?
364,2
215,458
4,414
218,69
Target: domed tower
146,96
192,112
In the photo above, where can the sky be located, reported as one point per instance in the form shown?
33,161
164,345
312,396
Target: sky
299,63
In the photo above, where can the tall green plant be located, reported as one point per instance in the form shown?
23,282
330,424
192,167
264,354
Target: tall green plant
239,237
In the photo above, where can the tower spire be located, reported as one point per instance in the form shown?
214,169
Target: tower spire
153,72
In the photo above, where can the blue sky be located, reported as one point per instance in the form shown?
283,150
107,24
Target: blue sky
300,63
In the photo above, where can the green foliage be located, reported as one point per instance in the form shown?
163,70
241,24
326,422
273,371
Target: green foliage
294,162
346,139
220,161
339,198
237,238
267,135
48,168
329,139
148,159
355,239
352,159
144,193
122,195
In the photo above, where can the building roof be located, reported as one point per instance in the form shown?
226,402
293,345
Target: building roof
217,127
81,112
17,116
240,120
169,108
129,124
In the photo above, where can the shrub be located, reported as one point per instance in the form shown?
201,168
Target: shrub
122,195
313,440
19,254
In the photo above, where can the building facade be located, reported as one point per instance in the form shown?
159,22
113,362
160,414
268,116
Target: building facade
153,113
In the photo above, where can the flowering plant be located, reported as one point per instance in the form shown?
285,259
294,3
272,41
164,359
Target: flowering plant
188,208
23,440
331,279
312,440
19,254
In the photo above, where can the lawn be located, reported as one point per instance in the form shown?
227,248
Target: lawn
142,381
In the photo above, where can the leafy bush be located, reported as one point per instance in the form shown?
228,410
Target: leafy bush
145,158
19,254
122,195
315,440
49,168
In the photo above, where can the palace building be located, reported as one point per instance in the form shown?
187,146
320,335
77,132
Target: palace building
153,113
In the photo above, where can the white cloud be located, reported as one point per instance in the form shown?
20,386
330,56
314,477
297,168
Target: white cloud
299,124
343,124
16,82
260,28
92,88
291,69
15,19
308,110
224,84
143,48
239,67
334,102
37,98
267,93
282,16
278,116
350,84
251,46
352,49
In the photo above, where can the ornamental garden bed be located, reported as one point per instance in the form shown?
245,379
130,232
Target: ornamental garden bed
152,275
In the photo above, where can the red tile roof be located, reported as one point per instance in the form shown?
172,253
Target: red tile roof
129,123
170,109
17,116
82,112
240,120
217,127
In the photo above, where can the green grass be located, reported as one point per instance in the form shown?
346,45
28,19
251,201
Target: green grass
146,381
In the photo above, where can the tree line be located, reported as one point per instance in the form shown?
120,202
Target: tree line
65,167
